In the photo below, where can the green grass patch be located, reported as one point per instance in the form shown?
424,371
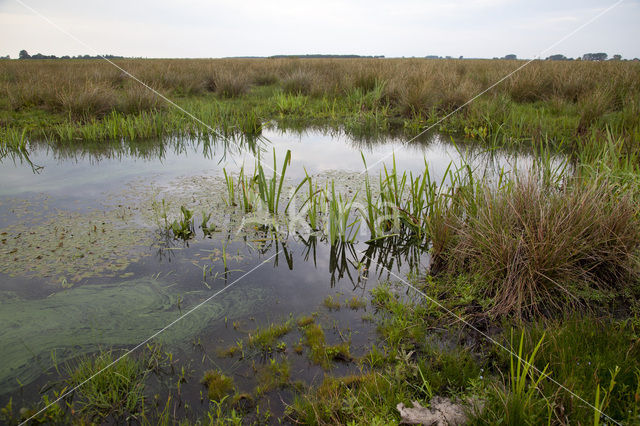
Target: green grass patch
274,375
265,339
321,353
218,385
331,303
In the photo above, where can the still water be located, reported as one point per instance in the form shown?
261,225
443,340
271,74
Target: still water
84,266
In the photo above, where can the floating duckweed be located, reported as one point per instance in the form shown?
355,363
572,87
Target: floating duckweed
69,246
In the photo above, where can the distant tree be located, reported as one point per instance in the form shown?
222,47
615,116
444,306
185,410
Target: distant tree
594,56
510,56
5,57
616,57
461,57
557,58
24,55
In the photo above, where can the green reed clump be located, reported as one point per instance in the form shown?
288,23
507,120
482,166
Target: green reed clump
341,224
594,358
521,400
14,143
270,190
231,191
260,191
406,205
313,204
288,103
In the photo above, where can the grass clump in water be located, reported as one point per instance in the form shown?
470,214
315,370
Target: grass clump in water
355,303
275,375
320,352
117,392
265,339
230,351
306,320
331,303
365,399
218,385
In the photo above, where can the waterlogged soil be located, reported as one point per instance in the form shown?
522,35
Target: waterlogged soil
86,262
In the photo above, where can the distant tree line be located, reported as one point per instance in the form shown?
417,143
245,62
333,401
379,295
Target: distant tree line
601,56
322,56
25,55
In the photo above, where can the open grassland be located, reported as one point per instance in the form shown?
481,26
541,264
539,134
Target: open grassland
93,100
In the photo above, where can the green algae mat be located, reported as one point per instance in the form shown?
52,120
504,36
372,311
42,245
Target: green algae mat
36,334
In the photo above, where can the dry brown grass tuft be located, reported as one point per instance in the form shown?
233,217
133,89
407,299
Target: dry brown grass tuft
299,82
538,249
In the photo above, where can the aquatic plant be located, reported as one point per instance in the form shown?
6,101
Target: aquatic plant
331,303
355,303
218,385
265,338
270,190
272,376
206,228
116,392
305,320
184,227
231,200
321,353
341,224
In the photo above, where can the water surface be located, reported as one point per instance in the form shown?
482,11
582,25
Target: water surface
91,270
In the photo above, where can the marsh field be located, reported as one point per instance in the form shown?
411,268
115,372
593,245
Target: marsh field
316,241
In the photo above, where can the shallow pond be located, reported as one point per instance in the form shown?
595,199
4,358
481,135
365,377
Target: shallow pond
85,266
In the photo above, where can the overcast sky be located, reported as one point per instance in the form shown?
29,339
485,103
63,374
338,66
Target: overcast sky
198,28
